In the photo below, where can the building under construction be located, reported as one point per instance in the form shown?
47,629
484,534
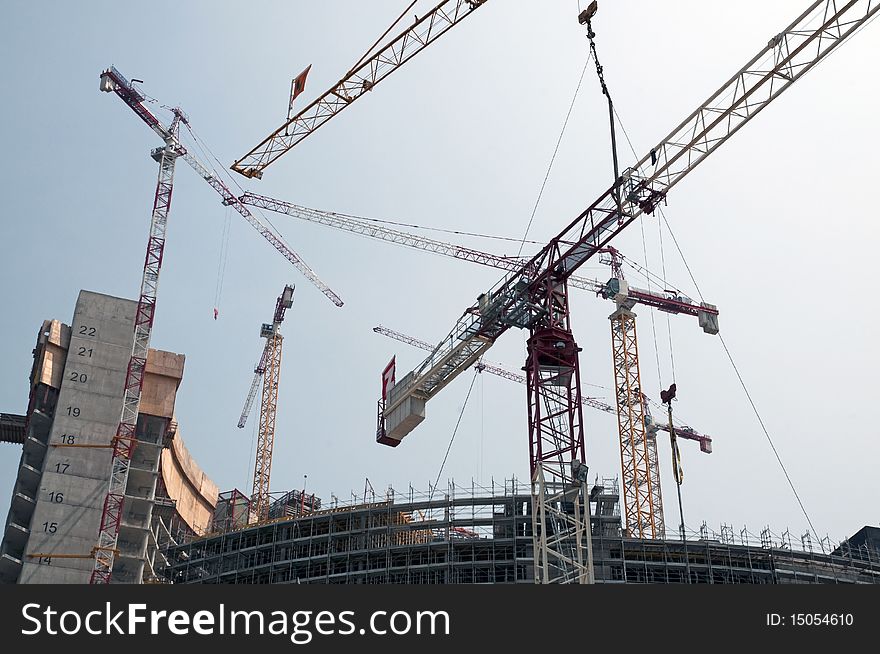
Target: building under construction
106,491
463,535
176,527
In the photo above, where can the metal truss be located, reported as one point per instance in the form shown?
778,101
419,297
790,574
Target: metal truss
642,498
125,440
357,82
266,433
788,56
113,81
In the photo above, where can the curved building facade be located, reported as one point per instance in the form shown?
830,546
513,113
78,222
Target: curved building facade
484,536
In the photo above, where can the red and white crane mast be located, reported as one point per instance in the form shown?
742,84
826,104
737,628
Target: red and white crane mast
125,440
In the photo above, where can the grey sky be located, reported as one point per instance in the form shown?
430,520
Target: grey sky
777,227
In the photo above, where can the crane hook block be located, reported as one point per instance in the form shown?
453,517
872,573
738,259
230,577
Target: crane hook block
587,14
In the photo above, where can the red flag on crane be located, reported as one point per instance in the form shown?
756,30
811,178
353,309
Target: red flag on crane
388,376
298,85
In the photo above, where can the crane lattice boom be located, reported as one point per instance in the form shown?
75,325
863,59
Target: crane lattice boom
357,82
113,81
516,301
669,301
682,431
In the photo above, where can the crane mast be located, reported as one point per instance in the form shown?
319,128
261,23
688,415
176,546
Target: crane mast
638,446
357,82
260,368
271,362
536,296
639,464
125,440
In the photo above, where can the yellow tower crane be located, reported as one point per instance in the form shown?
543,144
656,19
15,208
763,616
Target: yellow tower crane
269,369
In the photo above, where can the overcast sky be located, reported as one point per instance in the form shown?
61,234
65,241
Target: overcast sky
778,228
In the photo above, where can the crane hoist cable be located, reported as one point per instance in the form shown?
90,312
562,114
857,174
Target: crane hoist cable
748,395
223,259
668,322
222,173
454,432
727,350
384,34
553,157
586,17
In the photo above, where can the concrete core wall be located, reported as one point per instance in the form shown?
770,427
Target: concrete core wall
77,385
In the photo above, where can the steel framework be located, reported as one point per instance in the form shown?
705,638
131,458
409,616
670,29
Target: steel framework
125,440
259,369
266,433
529,298
560,523
650,510
482,366
681,431
639,463
282,304
362,78
113,81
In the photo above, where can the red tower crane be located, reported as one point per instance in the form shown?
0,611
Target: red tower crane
640,469
536,296
125,440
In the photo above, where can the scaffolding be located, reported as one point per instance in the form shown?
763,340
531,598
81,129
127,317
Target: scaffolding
483,534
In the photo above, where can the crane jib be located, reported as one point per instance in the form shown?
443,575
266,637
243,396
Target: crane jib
785,59
359,81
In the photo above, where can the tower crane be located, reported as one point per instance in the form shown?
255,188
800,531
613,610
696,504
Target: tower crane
363,77
638,442
269,369
668,301
536,296
124,442
125,439
639,464
260,368
113,81
640,469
